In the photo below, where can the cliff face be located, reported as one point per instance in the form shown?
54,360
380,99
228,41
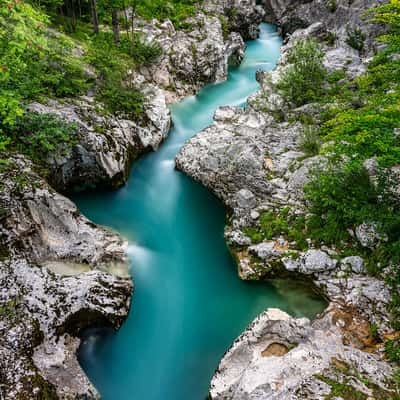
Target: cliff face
253,161
59,272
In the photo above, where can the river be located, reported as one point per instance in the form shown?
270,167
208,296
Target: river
189,304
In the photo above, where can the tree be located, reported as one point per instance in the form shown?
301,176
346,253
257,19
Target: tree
115,25
303,80
95,16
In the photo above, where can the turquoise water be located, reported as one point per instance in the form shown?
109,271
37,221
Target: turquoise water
189,304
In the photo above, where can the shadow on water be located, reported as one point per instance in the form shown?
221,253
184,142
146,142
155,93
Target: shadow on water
189,304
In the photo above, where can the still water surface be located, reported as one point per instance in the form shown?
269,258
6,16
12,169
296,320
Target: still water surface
189,304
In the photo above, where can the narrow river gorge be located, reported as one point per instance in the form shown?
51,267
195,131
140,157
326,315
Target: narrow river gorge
189,304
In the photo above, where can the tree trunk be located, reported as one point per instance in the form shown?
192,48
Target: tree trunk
126,22
95,17
115,26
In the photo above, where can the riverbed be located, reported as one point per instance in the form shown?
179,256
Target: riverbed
189,303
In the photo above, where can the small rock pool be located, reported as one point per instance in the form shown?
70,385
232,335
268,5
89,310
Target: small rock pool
189,304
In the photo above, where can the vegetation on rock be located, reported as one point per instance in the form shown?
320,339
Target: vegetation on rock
302,82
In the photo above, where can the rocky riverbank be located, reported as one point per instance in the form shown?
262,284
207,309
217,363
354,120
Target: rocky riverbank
59,272
254,162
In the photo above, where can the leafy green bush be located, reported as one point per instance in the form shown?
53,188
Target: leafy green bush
332,5
141,52
330,38
302,82
38,135
341,197
275,224
122,99
392,350
355,38
175,10
115,91
34,61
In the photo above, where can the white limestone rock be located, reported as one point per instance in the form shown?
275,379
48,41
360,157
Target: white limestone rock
42,235
280,357
311,262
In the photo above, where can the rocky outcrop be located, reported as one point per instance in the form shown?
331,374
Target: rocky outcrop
42,314
280,358
338,16
191,58
59,273
244,16
107,144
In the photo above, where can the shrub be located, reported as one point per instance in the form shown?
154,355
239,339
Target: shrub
310,141
38,135
122,99
303,80
35,62
355,38
330,39
392,350
175,10
141,52
275,224
339,198
115,91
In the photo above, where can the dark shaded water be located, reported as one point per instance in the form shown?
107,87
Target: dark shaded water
189,304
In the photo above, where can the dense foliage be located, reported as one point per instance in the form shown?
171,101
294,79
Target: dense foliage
302,82
175,10
40,135
34,62
362,126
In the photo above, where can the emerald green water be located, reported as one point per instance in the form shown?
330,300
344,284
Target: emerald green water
189,304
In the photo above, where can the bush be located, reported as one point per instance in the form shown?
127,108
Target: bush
302,82
39,135
121,99
142,53
392,350
355,38
175,10
36,62
115,91
339,198
275,224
